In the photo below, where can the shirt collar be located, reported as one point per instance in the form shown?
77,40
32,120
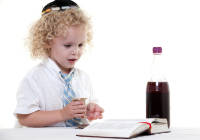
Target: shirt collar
51,65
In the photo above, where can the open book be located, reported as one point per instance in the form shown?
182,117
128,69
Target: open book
124,128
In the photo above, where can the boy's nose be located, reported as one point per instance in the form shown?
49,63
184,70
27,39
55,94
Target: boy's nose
75,51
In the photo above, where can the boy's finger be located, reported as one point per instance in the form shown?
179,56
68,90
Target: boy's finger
77,107
79,115
99,109
80,111
94,115
100,116
90,117
91,107
77,102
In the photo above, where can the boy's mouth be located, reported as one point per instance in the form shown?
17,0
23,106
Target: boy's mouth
72,60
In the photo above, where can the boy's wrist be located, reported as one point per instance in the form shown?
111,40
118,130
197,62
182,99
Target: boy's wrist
61,114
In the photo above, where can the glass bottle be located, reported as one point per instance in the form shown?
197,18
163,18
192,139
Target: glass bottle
157,90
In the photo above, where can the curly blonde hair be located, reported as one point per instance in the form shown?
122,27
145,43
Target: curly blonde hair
54,24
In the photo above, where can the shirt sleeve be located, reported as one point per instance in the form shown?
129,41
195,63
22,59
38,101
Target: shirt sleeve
27,97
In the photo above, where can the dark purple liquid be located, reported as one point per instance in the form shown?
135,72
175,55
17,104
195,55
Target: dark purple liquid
158,100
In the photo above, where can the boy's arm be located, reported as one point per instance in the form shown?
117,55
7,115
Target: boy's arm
40,118
75,109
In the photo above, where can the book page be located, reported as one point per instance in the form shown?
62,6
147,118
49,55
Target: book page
114,125
114,128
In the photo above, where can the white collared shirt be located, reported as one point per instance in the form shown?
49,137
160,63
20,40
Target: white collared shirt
43,89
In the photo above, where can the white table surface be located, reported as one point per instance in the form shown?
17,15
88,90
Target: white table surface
70,134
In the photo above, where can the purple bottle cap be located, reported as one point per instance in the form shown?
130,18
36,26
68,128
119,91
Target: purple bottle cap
157,49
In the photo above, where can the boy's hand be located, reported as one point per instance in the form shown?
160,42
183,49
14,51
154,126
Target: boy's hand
94,111
75,109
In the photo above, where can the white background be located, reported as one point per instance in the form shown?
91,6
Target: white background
124,33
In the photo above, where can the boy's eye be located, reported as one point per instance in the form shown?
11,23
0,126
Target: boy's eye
67,45
80,45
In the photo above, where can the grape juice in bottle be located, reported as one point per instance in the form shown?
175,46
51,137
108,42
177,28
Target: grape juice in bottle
157,90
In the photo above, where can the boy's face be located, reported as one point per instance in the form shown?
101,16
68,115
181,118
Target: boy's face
66,51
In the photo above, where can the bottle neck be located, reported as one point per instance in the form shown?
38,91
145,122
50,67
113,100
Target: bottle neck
156,69
157,60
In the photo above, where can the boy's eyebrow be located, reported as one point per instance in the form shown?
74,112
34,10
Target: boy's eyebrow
83,41
70,42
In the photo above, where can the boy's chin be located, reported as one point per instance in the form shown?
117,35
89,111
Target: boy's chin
69,67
